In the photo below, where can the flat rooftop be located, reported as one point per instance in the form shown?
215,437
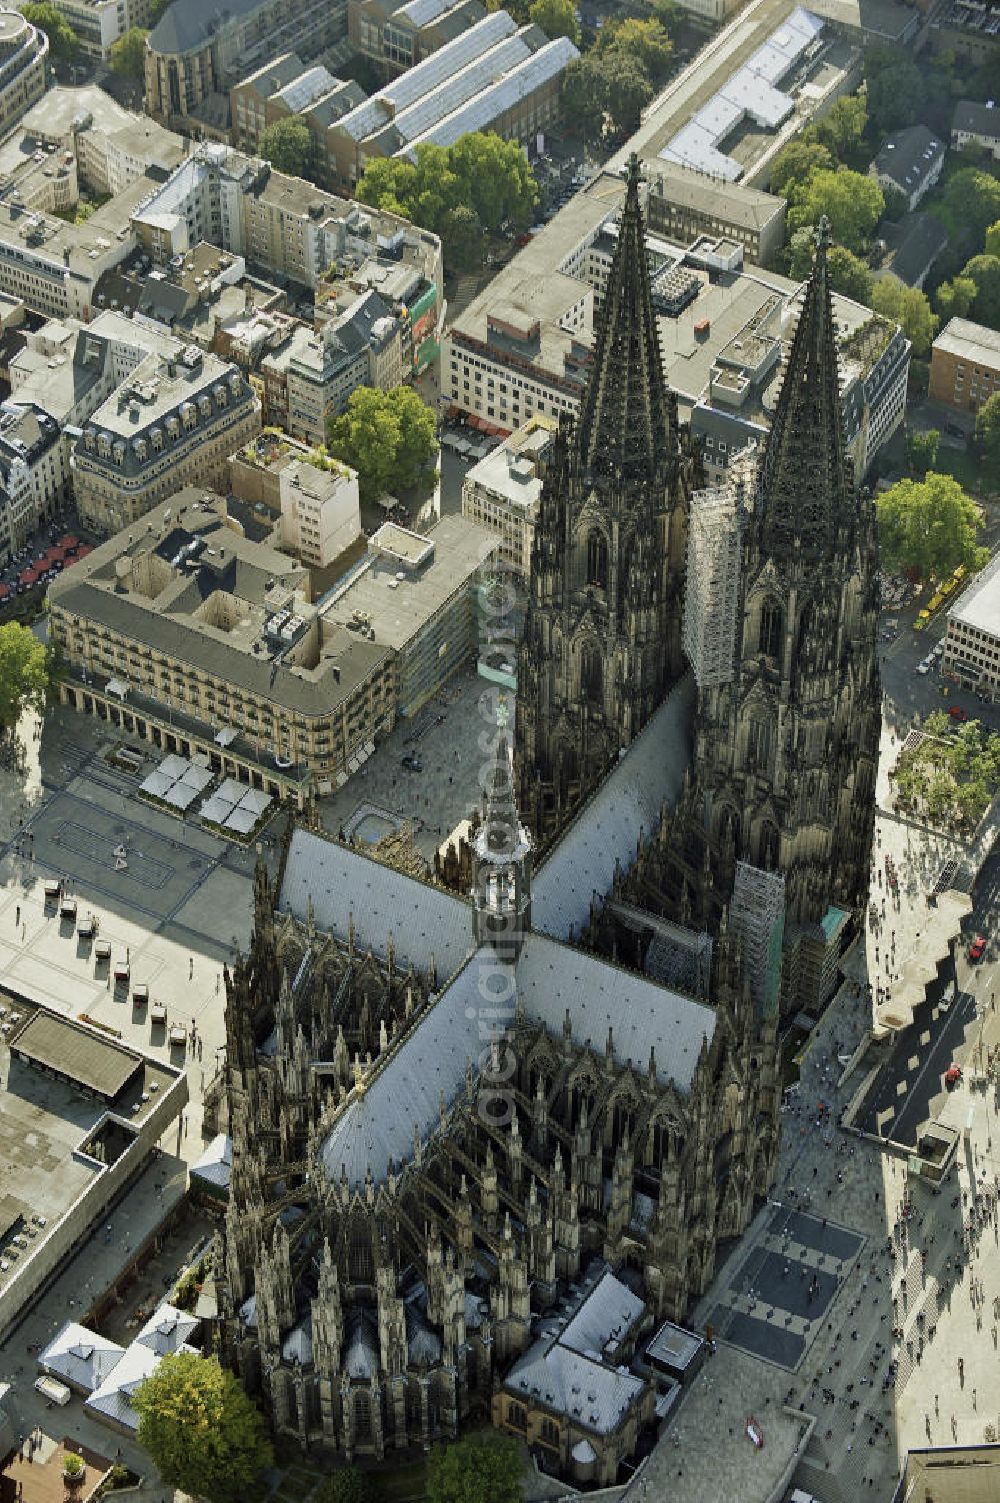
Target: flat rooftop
82,1056
979,605
960,336
398,609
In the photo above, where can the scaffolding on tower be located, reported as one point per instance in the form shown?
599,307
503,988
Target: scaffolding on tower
757,915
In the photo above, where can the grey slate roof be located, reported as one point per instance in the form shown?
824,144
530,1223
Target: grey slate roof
977,119
405,1093
590,1394
424,922
915,242
607,1314
80,1357
190,24
552,977
909,156
629,800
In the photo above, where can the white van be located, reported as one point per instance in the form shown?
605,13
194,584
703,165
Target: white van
53,1389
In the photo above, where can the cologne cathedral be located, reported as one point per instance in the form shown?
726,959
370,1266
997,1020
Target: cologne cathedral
445,1107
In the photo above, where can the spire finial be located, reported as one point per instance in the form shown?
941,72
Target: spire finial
633,171
824,234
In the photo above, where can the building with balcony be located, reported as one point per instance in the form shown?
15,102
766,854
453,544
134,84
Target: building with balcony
173,422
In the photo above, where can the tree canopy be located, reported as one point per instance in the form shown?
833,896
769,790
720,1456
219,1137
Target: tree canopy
842,130
984,272
27,673
929,527
969,203
851,201
954,299
848,274
645,41
895,89
202,1432
288,145
988,436
480,173
63,44
475,1471
128,54
610,86
389,437
794,165
922,450
557,18
910,308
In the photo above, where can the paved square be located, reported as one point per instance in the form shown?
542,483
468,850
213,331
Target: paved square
810,1231
789,1292
763,1339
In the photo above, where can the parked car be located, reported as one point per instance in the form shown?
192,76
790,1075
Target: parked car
978,948
957,713
952,1075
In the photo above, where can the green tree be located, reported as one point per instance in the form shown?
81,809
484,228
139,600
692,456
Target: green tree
128,54
348,1485
492,175
627,89
842,130
992,246
644,41
27,673
969,204
557,18
669,14
922,450
848,274
389,437
794,166
202,1432
288,145
583,97
800,251
984,272
63,45
462,238
954,299
895,89
156,10
910,308
929,527
475,1471
852,202
988,436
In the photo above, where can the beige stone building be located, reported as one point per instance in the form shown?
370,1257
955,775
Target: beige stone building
502,491
972,639
174,422
24,50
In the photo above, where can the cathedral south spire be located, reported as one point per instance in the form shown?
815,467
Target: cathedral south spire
622,430
804,481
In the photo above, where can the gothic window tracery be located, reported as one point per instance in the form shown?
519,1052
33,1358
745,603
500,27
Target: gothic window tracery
772,628
597,559
770,845
591,673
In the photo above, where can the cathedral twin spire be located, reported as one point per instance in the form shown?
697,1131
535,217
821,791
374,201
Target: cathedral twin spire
804,479
624,421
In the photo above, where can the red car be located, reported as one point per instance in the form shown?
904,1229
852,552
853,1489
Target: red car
978,948
952,1075
957,713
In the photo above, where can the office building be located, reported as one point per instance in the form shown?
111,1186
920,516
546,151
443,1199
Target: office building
502,491
683,204
24,51
972,639
965,365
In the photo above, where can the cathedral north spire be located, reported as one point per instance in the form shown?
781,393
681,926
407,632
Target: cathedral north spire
804,481
623,428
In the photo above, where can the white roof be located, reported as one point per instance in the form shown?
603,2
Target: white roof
158,783
174,767
196,777
216,1163
552,977
216,809
256,801
241,821
979,606
423,921
113,1399
231,790
80,1356
583,1452
628,801
181,795
590,1394
607,1314
167,1330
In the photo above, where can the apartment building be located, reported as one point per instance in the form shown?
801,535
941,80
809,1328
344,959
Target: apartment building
85,137
495,76
31,438
503,490
17,509
975,124
910,162
174,422
396,37
972,639
24,52
361,348
308,506
283,225
965,365
194,54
